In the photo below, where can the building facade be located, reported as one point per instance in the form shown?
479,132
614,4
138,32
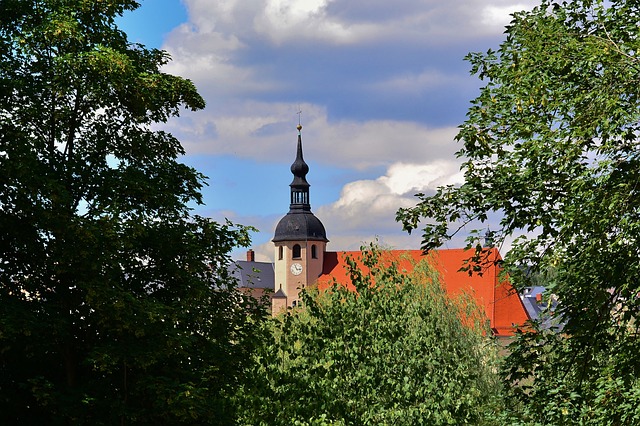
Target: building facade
301,260
300,240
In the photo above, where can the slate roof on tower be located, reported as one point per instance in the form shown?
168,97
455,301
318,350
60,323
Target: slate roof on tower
300,224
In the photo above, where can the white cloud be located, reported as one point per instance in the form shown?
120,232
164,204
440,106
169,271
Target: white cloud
370,206
355,68
497,17
412,83
292,21
348,21
404,178
266,132
219,50
381,142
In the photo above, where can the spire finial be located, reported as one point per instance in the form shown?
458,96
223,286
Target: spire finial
299,126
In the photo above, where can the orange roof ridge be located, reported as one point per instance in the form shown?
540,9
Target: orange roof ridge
501,302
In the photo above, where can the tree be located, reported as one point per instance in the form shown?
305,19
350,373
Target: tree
394,351
115,302
551,146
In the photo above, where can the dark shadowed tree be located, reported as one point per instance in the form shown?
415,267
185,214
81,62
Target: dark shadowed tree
551,145
115,303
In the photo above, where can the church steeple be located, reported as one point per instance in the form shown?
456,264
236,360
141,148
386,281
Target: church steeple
299,186
300,240
300,224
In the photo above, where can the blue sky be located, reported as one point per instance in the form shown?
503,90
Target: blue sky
382,86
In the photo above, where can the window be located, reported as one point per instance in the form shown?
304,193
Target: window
296,252
280,252
314,252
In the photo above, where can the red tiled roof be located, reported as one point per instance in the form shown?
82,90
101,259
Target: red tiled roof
501,302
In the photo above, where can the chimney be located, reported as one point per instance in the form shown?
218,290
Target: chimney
251,255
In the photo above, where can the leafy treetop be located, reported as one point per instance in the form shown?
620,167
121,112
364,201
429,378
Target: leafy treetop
550,145
114,300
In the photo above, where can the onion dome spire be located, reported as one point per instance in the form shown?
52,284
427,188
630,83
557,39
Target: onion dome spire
300,224
299,186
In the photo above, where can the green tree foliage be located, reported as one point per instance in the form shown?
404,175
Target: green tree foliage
115,304
395,351
551,146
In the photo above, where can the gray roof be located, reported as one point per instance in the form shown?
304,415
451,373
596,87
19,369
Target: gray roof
300,225
280,294
253,274
539,310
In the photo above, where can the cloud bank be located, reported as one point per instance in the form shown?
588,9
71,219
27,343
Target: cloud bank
381,85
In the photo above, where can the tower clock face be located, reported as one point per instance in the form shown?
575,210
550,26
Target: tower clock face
296,269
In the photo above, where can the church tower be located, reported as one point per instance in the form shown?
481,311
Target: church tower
300,240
